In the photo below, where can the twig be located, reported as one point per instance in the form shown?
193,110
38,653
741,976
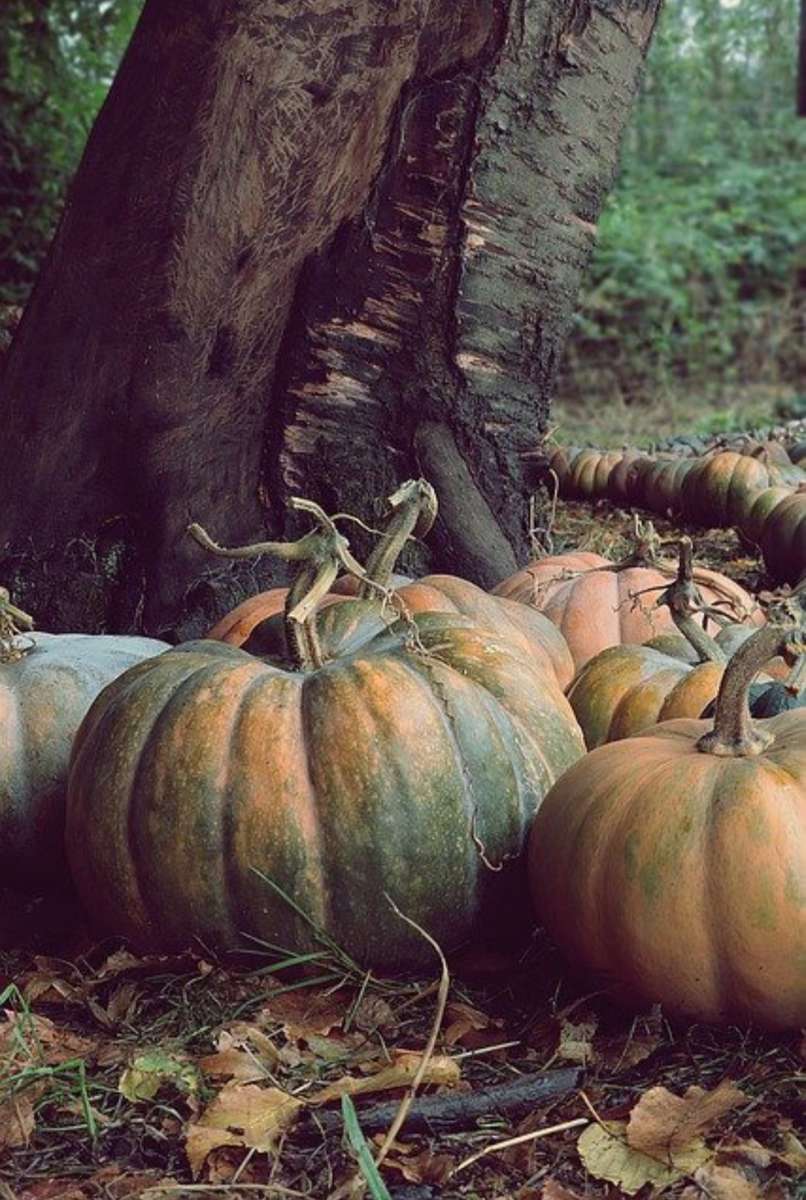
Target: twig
439,1013
494,1147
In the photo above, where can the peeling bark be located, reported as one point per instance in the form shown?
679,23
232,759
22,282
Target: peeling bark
309,247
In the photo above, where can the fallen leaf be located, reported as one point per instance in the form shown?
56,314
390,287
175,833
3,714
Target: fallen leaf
17,1119
720,1183
552,1190
576,1042
30,1038
607,1155
662,1124
794,1152
44,988
233,1064
440,1070
461,1019
150,1071
373,1012
750,1149
241,1115
425,1167
245,1053
307,1013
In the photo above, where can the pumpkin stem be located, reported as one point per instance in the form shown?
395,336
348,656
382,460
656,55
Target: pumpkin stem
413,512
321,553
13,622
796,680
735,735
683,599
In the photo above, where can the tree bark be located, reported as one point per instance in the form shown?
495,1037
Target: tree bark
311,249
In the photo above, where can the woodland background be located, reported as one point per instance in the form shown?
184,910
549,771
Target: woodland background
694,311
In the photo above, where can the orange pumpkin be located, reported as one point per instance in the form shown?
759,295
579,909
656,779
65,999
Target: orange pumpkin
590,599
674,863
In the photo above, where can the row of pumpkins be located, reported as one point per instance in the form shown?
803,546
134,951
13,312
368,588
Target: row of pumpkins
361,737
760,489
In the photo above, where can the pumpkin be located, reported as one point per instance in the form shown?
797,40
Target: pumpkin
626,688
47,683
674,863
214,794
590,599
783,539
259,627
721,487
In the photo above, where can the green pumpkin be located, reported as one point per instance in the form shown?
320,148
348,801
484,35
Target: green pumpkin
409,768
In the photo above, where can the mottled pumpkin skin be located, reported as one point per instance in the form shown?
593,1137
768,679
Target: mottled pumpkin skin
44,696
592,608
383,771
261,629
625,689
681,876
729,639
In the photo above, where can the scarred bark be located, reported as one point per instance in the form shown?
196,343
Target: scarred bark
311,248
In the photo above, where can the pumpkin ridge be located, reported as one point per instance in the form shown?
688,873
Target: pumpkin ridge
140,838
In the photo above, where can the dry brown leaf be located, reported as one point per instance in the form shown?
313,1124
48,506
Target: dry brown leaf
461,1019
245,1053
234,1064
44,988
425,1167
31,1038
576,1042
406,1063
552,1190
607,1155
241,1115
750,1149
304,1013
794,1152
720,1183
52,1189
17,1118
373,1012
662,1124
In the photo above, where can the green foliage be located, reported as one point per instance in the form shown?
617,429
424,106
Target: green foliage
700,269
57,61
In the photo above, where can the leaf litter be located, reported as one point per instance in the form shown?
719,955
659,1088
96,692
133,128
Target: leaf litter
123,1075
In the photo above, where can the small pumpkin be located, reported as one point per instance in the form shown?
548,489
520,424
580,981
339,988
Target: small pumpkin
595,603
721,487
627,688
674,863
47,683
405,768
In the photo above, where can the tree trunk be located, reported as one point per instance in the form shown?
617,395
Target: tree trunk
311,249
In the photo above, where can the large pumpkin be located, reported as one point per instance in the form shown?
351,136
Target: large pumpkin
412,768
45,692
590,599
674,863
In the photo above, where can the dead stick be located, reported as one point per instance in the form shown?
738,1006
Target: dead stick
452,1111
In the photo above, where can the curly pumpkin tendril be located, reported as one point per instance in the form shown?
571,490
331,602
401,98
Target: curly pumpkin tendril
14,623
323,552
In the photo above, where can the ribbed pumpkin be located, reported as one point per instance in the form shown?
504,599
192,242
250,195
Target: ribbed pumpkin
46,688
783,539
405,768
721,487
258,625
674,863
624,689
589,599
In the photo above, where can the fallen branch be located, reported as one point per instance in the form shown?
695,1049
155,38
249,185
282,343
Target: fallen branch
460,1110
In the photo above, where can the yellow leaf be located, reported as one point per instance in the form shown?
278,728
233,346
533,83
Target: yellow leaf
606,1155
241,1115
150,1071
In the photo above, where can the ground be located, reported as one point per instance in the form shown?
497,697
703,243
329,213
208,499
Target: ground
122,1076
